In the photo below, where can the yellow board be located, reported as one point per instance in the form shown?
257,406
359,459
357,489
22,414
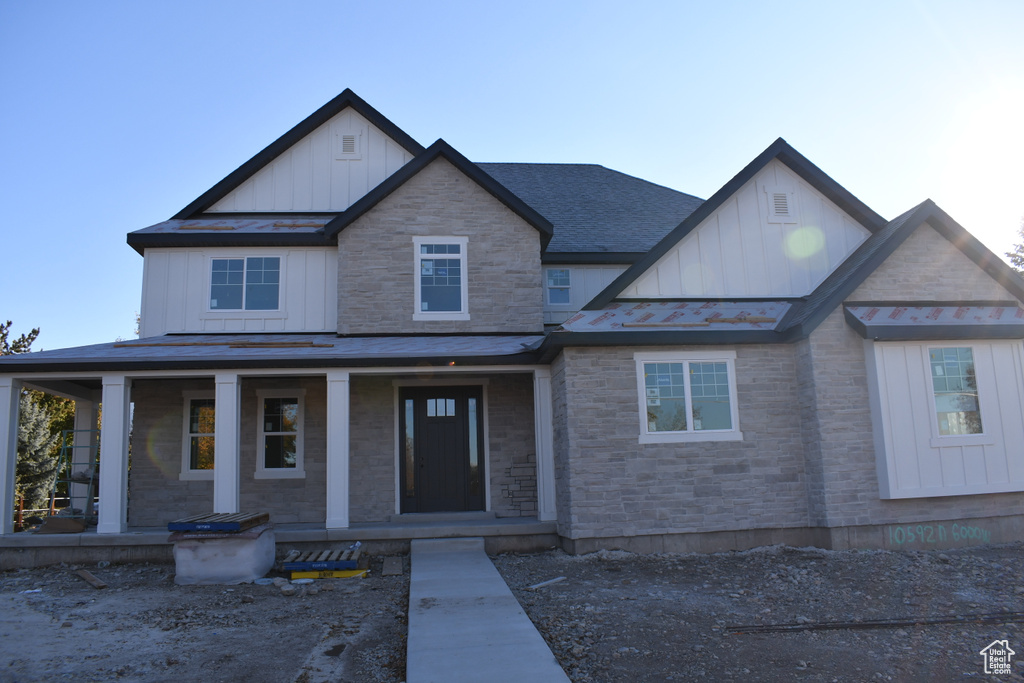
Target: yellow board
332,574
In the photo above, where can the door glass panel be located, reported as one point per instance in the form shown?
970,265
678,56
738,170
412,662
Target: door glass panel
410,453
474,455
431,407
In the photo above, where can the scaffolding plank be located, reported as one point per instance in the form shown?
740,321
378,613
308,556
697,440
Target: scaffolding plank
220,522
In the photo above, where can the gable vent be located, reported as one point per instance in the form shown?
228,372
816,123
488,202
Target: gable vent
348,142
780,203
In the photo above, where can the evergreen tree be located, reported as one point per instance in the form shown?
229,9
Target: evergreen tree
42,418
1017,255
37,467
19,345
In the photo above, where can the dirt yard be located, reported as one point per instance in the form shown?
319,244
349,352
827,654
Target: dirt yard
56,627
614,617
623,617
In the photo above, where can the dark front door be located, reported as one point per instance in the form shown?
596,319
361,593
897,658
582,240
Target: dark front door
441,432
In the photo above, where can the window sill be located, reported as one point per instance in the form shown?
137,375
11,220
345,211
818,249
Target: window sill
237,314
690,437
440,316
965,440
280,474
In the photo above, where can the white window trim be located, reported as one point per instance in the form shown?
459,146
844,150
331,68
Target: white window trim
548,288
462,314
209,312
299,471
728,357
188,474
985,438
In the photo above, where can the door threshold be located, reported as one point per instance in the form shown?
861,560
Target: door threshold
430,517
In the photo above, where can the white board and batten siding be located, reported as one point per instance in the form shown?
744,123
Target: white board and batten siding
775,237
585,282
176,292
913,459
328,170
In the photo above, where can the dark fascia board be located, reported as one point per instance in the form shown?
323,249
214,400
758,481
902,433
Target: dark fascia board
108,365
971,246
781,150
1005,303
926,212
882,332
556,340
346,99
591,257
441,149
141,242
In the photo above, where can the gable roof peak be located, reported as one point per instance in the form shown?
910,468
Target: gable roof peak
441,149
346,99
779,150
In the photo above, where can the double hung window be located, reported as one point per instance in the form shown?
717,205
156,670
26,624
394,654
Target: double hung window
197,450
687,396
245,284
279,439
558,286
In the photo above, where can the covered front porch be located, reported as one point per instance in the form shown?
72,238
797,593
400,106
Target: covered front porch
331,451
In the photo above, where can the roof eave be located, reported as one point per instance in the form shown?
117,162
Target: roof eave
560,339
142,241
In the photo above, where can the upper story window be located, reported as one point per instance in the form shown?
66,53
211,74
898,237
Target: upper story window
249,284
441,288
197,451
687,396
955,386
558,286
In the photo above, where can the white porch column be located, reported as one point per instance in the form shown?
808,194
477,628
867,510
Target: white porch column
84,450
113,517
226,453
338,417
10,393
544,433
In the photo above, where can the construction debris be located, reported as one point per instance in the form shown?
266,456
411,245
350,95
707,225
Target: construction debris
90,578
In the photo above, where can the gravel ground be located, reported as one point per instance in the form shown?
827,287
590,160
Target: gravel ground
614,616
623,617
56,627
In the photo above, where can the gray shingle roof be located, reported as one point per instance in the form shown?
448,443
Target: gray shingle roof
593,208
276,350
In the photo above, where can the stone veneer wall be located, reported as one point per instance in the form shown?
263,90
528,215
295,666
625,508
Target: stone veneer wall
511,446
619,487
287,500
513,450
372,463
926,267
157,495
376,260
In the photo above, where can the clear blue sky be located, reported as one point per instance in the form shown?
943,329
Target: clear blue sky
115,115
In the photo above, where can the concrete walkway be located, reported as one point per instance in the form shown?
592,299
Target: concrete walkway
465,626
